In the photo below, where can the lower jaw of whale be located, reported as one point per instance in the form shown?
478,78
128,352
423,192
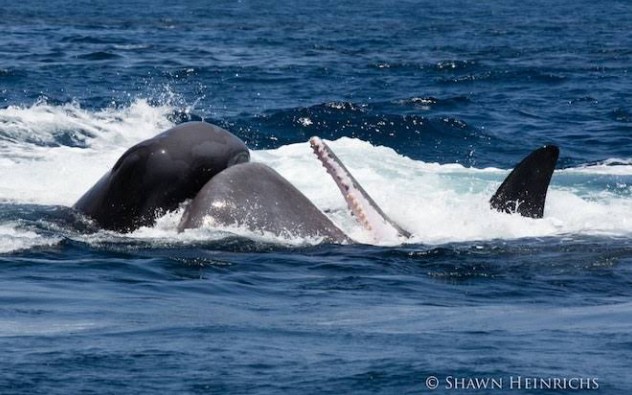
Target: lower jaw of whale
363,207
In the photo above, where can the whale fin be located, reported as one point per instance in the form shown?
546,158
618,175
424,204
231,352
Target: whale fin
366,211
524,190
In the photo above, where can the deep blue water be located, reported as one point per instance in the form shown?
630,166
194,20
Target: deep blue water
474,83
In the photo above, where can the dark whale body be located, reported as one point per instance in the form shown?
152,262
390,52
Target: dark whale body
525,188
257,197
157,175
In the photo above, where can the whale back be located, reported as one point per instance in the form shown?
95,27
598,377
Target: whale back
254,196
156,175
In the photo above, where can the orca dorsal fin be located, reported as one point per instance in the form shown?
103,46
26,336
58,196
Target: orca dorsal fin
524,190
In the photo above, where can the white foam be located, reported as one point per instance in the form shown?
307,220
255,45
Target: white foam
437,203
13,238
450,203
32,172
612,166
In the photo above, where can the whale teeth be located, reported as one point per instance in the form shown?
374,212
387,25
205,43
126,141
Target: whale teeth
363,219
326,157
355,205
356,208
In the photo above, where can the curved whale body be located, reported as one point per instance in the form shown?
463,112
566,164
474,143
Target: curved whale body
257,197
156,175
525,188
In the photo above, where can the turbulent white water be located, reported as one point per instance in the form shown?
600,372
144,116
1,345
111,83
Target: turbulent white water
437,203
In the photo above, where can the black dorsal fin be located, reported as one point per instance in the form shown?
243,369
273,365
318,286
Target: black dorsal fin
524,190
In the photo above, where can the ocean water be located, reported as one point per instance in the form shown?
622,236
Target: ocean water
428,103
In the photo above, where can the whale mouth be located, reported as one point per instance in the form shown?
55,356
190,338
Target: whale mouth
363,207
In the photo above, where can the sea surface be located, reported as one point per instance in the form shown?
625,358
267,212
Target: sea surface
428,103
